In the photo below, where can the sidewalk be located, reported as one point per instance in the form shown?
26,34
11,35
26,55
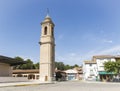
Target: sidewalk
24,83
101,82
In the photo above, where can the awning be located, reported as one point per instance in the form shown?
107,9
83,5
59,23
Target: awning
11,61
105,73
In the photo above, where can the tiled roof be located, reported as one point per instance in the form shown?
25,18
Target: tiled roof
103,56
117,56
71,71
89,62
26,71
31,71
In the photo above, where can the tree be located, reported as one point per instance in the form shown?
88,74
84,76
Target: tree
19,58
29,65
60,65
67,67
36,65
118,66
18,66
76,65
112,66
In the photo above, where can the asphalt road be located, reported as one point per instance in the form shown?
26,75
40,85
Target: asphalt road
67,86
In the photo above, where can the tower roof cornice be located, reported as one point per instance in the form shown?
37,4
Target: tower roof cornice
47,20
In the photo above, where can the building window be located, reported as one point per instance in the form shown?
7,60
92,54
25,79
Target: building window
90,64
37,77
91,73
45,31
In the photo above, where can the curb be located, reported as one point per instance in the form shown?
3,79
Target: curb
22,84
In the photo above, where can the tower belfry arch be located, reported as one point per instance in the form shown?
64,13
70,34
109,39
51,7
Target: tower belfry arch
47,50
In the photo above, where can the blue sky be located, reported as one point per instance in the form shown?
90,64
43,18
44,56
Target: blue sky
83,28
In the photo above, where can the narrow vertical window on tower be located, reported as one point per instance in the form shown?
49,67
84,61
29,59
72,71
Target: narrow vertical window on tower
52,29
45,31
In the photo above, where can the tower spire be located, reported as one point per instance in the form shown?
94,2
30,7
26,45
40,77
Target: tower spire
47,13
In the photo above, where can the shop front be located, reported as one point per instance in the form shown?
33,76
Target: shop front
105,76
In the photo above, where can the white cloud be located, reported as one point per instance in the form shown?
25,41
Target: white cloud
70,58
107,41
115,50
77,58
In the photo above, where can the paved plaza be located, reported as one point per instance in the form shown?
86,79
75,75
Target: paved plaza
66,86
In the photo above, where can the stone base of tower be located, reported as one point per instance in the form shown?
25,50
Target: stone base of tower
46,79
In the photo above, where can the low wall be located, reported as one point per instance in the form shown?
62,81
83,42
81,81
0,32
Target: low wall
5,70
13,79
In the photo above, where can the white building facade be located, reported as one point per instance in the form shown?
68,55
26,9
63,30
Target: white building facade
100,60
94,70
89,70
71,74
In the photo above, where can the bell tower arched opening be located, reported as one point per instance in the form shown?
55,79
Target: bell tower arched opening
45,31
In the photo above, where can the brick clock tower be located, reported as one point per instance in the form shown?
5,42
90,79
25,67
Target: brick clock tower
47,50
